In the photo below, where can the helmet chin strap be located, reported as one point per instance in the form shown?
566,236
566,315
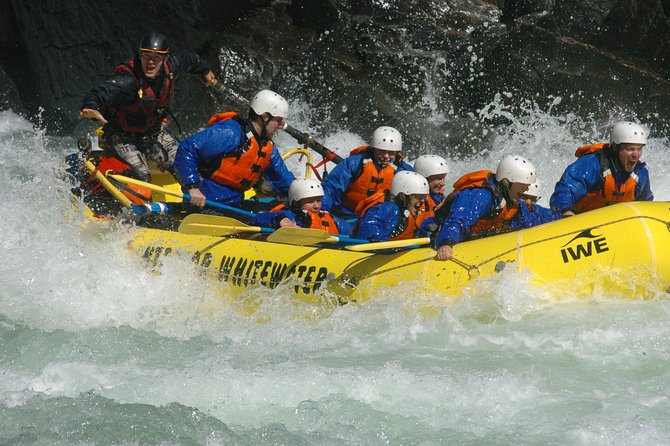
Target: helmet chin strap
503,187
262,135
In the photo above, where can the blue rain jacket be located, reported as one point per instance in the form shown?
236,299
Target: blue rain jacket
377,224
471,205
212,142
337,182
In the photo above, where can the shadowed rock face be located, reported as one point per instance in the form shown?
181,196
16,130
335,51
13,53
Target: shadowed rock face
425,66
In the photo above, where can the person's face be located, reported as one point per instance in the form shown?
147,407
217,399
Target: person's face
151,64
529,200
312,204
272,123
629,155
384,157
436,184
516,190
415,202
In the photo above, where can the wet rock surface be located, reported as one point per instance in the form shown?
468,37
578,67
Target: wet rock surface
426,66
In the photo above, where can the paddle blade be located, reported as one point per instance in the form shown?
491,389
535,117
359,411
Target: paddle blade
301,236
213,220
202,224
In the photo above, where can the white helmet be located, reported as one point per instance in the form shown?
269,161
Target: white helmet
535,189
628,132
408,183
429,165
387,138
267,101
516,169
304,188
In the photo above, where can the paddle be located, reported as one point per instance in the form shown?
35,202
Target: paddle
391,244
166,191
302,138
309,236
109,187
201,224
218,226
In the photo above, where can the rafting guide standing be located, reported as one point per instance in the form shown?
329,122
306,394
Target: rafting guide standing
133,103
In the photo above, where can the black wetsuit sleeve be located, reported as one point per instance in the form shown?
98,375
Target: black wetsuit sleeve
188,63
118,91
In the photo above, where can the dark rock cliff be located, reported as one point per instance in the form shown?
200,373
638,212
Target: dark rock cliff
426,66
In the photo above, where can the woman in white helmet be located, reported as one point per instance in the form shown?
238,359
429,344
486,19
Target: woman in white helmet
605,173
367,170
538,214
395,218
303,211
435,169
485,202
231,154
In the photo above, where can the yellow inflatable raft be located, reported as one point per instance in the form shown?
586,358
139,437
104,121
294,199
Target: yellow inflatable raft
618,250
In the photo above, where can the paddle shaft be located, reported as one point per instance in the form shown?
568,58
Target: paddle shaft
391,244
166,191
302,138
109,187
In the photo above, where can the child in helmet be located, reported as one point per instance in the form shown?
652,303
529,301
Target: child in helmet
605,174
368,169
485,202
396,217
304,211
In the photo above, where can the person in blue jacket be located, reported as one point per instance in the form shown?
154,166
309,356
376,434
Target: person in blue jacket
303,211
396,217
485,202
605,173
367,170
230,155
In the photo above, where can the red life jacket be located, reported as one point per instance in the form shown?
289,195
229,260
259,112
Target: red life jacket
147,110
497,221
136,194
608,191
370,180
243,167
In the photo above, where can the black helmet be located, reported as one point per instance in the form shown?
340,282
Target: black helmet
154,43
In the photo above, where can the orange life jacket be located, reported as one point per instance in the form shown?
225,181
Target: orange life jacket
136,194
315,220
426,210
243,167
147,110
480,178
608,191
322,220
405,229
359,193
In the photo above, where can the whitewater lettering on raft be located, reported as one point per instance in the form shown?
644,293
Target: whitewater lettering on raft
245,272
241,271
